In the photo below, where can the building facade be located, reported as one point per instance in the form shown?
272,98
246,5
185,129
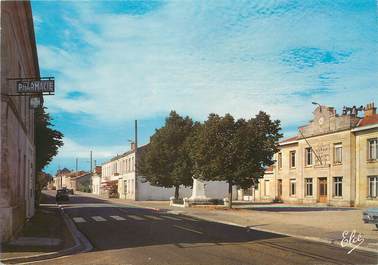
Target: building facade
333,160
17,164
96,180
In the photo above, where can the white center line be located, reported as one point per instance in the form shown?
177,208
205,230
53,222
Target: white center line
98,218
172,218
136,217
153,217
188,229
79,220
188,219
118,218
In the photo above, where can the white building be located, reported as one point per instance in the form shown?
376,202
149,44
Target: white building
96,180
131,186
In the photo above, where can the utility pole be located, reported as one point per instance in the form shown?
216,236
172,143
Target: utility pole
136,134
90,161
136,157
77,165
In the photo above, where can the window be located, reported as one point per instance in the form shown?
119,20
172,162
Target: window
338,154
279,160
292,159
308,154
373,187
292,187
373,149
266,187
308,182
338,186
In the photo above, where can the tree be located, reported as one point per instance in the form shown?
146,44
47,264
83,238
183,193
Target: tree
235,152
41,181
165,162
47,141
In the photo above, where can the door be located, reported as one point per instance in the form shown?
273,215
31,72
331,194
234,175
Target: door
322,190
279,189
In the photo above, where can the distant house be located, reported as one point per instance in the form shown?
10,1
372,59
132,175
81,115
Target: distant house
61,178
262,191
96,180
81,181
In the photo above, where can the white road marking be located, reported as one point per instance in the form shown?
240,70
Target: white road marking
135,217
153,217
98,218
188,219
172,218
118,218
188,229
79,220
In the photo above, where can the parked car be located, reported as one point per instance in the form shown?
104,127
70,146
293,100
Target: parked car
370,216
62,195
69,191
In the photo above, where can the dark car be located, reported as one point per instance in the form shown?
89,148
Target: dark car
62,195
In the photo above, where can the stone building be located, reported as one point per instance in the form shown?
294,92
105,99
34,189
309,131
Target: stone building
17,169
333,160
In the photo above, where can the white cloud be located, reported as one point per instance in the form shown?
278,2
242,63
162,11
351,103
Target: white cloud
202,57
72,148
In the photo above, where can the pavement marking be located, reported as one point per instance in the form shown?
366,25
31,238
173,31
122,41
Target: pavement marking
135,217
189,219
171,218
98,218
118,218
79,219
153,217
188,229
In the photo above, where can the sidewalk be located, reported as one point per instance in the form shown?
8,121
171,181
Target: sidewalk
322,224
44,234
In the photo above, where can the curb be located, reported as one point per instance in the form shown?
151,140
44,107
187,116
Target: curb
81,245
315,239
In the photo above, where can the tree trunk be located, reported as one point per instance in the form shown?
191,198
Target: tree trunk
230,194
177,188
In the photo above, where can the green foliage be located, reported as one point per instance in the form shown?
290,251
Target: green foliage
234,151
165,162
47,142
47,139
41,181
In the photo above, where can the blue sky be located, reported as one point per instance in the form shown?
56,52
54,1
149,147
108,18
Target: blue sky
117,61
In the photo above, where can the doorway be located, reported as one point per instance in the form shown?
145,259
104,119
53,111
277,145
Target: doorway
279,189
322,190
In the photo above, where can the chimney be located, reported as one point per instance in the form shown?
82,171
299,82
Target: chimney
370,110
132,146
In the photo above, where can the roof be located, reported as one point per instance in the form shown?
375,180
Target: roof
288,140
269,169
369,120
140,148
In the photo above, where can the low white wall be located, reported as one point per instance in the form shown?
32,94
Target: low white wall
214,190
147,192
219,190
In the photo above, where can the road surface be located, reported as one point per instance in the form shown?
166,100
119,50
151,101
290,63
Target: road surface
122,234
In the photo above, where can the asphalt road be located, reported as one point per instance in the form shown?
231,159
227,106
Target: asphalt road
128,235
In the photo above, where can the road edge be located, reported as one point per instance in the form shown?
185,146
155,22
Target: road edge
82,244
